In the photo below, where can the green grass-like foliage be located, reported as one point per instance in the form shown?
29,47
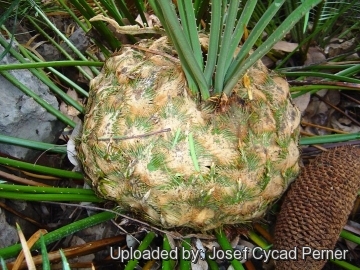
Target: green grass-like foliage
222,68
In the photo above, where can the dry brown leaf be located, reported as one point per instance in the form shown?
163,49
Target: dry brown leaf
335,49
344,121
336,123
352,57
70,110
322,92
75,242
333,97
26,246
302,102
152,20
267,61
285,46
353,227
315,106
314,55
199,264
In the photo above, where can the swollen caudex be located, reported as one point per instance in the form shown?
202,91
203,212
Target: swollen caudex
175,160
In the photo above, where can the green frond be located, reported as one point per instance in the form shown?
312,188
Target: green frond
174,109
171,141
264,181
199,149
267,89
264,139
278,113
99,151
137,150
221,179
175,139
112,109
227,134
175,180
203,199
263,206
249,160
254,117
289,175
241,195
156,162
283,141
140,123
267,175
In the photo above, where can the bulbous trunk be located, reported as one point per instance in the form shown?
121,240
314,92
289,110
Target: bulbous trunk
148,144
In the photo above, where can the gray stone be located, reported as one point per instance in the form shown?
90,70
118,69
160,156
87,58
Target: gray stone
49,52
21,116
79,39
9,234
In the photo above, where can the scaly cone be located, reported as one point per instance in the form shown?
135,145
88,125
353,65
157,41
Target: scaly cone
317,206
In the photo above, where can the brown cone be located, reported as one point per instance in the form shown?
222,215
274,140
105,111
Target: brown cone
317,206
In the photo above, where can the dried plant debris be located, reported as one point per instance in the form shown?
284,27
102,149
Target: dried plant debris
327,112
317,206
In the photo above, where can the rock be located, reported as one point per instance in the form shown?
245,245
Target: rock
49,52
25,208
9,235
79,39
21,116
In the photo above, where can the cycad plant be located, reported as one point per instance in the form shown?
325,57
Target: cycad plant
220,108
191,129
